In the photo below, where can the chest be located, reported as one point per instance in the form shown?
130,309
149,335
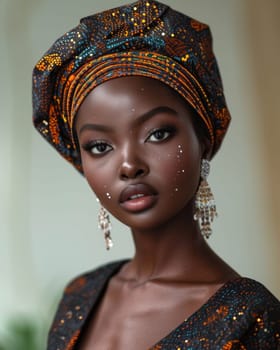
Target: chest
140,318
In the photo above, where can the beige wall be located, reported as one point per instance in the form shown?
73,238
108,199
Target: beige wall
47,213
264,45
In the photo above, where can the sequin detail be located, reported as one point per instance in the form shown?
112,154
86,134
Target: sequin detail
242,314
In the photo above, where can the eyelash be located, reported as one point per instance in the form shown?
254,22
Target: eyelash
105,147
93,145
166,130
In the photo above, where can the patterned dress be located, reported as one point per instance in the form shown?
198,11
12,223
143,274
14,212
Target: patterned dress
241,315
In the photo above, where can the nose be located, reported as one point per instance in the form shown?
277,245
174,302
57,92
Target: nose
133,166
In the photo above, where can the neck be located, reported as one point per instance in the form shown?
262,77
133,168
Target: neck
171,251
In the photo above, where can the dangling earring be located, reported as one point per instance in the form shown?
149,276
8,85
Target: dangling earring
105,226
205,207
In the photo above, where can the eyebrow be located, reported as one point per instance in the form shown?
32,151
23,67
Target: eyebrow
96,127
162,109
141,119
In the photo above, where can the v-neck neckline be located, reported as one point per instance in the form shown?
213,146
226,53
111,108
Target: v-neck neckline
101,290
189,320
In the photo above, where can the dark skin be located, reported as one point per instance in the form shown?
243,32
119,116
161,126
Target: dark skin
133,131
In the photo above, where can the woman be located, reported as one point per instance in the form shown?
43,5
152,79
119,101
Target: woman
132,97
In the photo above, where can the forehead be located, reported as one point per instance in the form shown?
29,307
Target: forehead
137,94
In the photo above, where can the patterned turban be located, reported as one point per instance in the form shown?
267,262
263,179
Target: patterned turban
146,38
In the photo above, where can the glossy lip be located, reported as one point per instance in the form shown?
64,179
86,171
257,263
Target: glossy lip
138,197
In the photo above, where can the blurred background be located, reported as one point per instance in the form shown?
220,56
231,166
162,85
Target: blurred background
48,215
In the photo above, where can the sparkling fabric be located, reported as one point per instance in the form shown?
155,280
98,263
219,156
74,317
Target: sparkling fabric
241,315
146,38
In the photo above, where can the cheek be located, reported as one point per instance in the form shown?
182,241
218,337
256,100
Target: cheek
100,187
182,170
98,180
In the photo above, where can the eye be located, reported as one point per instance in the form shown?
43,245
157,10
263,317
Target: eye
97,147
160,134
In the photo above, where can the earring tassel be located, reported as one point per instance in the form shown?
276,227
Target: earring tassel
205,208
105,226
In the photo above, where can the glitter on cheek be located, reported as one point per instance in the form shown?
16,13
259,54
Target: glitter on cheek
180,150
108,195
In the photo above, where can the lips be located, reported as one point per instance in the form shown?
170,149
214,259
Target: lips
136,191
138,197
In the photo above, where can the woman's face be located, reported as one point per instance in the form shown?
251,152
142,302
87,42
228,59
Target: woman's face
139,151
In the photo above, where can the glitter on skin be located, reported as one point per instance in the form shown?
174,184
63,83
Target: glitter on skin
108,195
